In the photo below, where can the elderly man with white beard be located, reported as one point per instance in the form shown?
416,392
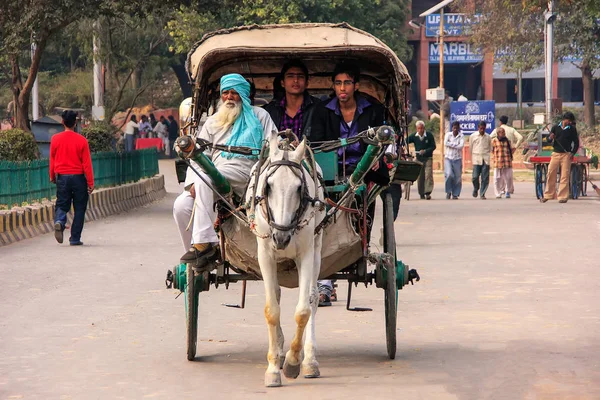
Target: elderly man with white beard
236,123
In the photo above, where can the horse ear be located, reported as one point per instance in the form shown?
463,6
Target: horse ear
274,146
299,152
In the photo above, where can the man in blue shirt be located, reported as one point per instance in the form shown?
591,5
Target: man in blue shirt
344,116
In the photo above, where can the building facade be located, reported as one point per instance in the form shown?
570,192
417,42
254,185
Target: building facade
474,75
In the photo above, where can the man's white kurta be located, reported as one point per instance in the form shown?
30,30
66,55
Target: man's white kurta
235,169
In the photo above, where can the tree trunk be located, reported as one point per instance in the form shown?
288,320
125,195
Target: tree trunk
588,94
182,77
20,112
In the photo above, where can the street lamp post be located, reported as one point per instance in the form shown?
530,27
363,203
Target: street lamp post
441,48
440,7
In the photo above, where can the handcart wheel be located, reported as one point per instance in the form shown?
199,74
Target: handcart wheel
391,290
540,180
191,313
584,180
574,182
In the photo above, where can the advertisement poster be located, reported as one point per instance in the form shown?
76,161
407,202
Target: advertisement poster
455,53
469,113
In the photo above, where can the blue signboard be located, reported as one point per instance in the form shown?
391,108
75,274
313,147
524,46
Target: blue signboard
454,24
454,53
469,113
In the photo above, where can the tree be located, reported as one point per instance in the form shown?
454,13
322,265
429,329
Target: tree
514,31
22,23
578,34
382,18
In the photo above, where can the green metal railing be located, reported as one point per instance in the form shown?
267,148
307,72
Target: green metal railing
29,181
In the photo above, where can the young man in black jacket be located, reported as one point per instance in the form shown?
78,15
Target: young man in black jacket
345,116
565,141
295,109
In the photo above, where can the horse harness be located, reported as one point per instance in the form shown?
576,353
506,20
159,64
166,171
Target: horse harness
305,199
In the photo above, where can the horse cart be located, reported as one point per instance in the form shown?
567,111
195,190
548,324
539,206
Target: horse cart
258,52
538,143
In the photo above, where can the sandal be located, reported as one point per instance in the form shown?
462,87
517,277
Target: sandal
324,300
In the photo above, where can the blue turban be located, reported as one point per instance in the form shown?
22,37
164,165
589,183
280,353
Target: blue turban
247,129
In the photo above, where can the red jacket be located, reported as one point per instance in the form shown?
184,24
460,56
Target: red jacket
70,155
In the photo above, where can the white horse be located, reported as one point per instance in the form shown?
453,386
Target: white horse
288,207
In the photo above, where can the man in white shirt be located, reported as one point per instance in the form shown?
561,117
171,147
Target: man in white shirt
480,145
515,139
236,123
129,132
453,146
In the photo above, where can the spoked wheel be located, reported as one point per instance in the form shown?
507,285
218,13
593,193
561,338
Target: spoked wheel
574,182
584,180
540,180
191,313
391,291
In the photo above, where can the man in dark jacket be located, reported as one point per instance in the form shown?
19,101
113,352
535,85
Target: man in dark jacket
294,110
173,130
345,116
565,141
424,143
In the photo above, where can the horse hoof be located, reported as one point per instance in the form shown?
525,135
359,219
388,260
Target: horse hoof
272,379
281,361
311,370
291,371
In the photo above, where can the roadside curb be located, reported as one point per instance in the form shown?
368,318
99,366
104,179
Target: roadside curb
26,222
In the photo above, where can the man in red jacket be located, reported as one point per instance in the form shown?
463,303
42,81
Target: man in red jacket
71,171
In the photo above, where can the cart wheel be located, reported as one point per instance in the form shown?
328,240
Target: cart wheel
391,291
191,313
539,193
574,182
584,180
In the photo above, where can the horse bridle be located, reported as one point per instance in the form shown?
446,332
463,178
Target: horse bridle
305,198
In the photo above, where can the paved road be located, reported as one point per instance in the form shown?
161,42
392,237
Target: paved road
507,309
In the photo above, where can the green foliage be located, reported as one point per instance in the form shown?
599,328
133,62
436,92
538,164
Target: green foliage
382,18
100,136
17,145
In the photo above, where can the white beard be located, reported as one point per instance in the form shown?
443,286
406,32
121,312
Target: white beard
226,115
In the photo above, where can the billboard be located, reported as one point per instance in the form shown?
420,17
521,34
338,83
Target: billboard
469,113
454,53
454,24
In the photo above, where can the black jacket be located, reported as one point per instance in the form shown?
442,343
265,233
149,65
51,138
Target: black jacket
565,140
173,130
326,123
276,111
326,126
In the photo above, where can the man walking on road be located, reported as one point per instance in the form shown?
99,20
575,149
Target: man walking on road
424,143
515,139
453,143
71,170
503,157
481,145
565,141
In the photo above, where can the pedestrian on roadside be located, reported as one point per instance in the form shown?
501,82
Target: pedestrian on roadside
161,130
72,172
565,142
153,120
145,128
515,139
480,144
173,129
424,143
503,157
130,130
453,146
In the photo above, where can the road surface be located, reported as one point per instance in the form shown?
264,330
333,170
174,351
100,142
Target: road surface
507,308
